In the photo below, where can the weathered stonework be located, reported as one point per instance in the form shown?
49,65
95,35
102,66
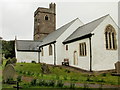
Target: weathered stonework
44,21
117,67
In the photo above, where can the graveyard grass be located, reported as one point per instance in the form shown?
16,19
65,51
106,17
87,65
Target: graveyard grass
33,70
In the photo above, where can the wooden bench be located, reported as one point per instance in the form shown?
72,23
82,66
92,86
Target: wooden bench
66,62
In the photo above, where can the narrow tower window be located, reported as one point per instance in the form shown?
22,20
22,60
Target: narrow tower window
46,17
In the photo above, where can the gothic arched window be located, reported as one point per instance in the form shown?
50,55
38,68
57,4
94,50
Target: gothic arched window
50,49
110,38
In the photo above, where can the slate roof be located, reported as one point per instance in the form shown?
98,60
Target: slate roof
27,45
85,29
51,38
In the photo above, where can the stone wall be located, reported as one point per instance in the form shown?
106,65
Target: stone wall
43,27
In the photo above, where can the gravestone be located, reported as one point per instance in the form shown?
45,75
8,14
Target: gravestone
45,69
9,72
117,67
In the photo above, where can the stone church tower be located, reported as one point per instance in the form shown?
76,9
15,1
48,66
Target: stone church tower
44,21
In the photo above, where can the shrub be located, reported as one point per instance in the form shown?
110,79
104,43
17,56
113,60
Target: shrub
19,78
67,71
10,81
73,79
104,74
20,72
33,62
60,83
28,73
41,82
65,77
100,80
57,77
34,82
13,60
52,83
72,85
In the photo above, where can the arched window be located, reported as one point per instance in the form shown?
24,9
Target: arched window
46,17
110,38
50,49
82,47
42,52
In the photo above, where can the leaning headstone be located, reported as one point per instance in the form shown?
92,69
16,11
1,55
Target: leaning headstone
45,69
9,72
117,67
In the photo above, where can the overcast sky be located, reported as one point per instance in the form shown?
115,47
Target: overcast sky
16,16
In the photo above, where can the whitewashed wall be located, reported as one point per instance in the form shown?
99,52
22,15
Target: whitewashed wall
46,58
103,59
83,61
26,56
119,43
59,45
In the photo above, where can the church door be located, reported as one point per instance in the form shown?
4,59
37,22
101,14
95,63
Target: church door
75,58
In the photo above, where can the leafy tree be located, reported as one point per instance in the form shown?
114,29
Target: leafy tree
8,49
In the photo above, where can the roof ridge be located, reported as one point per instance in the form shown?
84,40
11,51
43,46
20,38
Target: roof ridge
93,20
29,40
68,23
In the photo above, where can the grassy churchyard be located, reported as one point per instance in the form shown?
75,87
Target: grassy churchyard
31,75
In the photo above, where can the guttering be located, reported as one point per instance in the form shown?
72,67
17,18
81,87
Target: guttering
54,54
28,50
79,38
90,52
47,44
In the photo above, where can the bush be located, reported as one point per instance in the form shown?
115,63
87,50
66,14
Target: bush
19,78
72,85
67,71
33,62
20,72
104,74
10,81
23,72
52,83
60,83
34,82
28,73
73,79
13,60
65,77
41,82
57,77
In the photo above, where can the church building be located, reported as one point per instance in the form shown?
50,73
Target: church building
92,46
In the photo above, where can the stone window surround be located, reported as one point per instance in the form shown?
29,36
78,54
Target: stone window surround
82,49
110,38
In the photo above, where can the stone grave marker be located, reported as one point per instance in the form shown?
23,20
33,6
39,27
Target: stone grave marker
9,72
45,68
117,67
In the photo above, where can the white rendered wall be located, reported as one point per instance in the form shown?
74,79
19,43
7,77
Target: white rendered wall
46,58
26,56
83,61
119,43
60,54
103,59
